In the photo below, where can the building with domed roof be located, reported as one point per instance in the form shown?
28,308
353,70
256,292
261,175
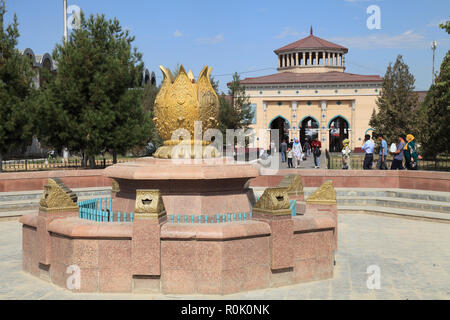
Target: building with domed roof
312,96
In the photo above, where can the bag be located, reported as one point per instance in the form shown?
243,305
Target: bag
317,152
393,148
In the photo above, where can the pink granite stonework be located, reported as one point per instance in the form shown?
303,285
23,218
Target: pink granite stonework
155,255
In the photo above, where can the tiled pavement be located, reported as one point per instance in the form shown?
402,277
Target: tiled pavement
413,257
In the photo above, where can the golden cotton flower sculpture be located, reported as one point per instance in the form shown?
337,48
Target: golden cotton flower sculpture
179,104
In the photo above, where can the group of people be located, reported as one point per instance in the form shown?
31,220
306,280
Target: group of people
405,149
294,153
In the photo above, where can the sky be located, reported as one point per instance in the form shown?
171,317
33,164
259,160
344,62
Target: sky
240,36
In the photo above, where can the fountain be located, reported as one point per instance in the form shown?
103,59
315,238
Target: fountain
194,225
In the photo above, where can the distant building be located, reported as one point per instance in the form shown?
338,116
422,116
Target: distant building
45,60
312,96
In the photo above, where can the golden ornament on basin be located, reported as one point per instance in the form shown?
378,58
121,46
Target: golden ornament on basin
179,104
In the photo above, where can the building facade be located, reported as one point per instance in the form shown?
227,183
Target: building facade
311,96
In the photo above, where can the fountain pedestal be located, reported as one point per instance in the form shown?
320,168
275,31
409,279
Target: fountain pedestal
203,187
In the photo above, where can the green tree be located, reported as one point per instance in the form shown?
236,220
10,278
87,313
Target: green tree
150,93
397,104
236,113
445,26
435,129
17,91
95,103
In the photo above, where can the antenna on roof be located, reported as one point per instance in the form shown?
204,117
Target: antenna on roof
311,31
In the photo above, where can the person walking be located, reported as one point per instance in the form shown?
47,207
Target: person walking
290,155
368,148
410,153
283,149
381,163
307,148
397,163
316,150
297,150
346,155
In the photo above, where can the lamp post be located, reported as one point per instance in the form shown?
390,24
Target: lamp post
433,47
65,19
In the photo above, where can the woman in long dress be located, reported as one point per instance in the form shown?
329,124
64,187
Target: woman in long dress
297,150
346,155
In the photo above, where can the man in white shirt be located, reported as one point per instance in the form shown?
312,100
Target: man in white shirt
368,148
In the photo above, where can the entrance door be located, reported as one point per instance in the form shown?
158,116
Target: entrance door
282,126
309,130
338,133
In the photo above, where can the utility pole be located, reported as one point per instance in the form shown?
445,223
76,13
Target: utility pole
433,47
65,19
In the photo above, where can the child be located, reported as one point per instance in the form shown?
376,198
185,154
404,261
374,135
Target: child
289,157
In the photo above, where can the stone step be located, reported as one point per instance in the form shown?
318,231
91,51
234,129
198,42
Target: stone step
14,214
28,200
411,204
395,193
36,194
398,212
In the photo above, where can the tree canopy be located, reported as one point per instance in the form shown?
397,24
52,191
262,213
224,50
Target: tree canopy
17,91
397,104
95,102
435,128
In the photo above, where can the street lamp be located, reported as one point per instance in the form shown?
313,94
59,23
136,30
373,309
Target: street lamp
65,19
433,47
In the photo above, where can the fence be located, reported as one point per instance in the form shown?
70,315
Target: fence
100,210
218,218
356,162
52,164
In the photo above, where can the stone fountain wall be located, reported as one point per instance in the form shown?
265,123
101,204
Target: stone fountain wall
151,254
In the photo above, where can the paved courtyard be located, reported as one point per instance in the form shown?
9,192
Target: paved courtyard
413,257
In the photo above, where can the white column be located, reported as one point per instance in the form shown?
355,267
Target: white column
323,124
279,61
352,130
303,59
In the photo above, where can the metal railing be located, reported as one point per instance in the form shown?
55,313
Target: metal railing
218,218
52,164
100,210
356,163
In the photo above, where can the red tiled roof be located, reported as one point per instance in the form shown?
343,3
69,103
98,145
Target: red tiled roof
311,42
421,95
294,77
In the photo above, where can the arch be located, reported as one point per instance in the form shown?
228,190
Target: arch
29,52
367,131
305,117
338,116
338,133
279,116
47,57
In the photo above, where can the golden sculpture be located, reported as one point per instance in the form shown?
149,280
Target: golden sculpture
274,201
179,104
58,197
115,186
296,186
324,195
149,205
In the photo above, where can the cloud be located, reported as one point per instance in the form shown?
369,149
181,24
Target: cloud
212,40
177,34
287,32
409,39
